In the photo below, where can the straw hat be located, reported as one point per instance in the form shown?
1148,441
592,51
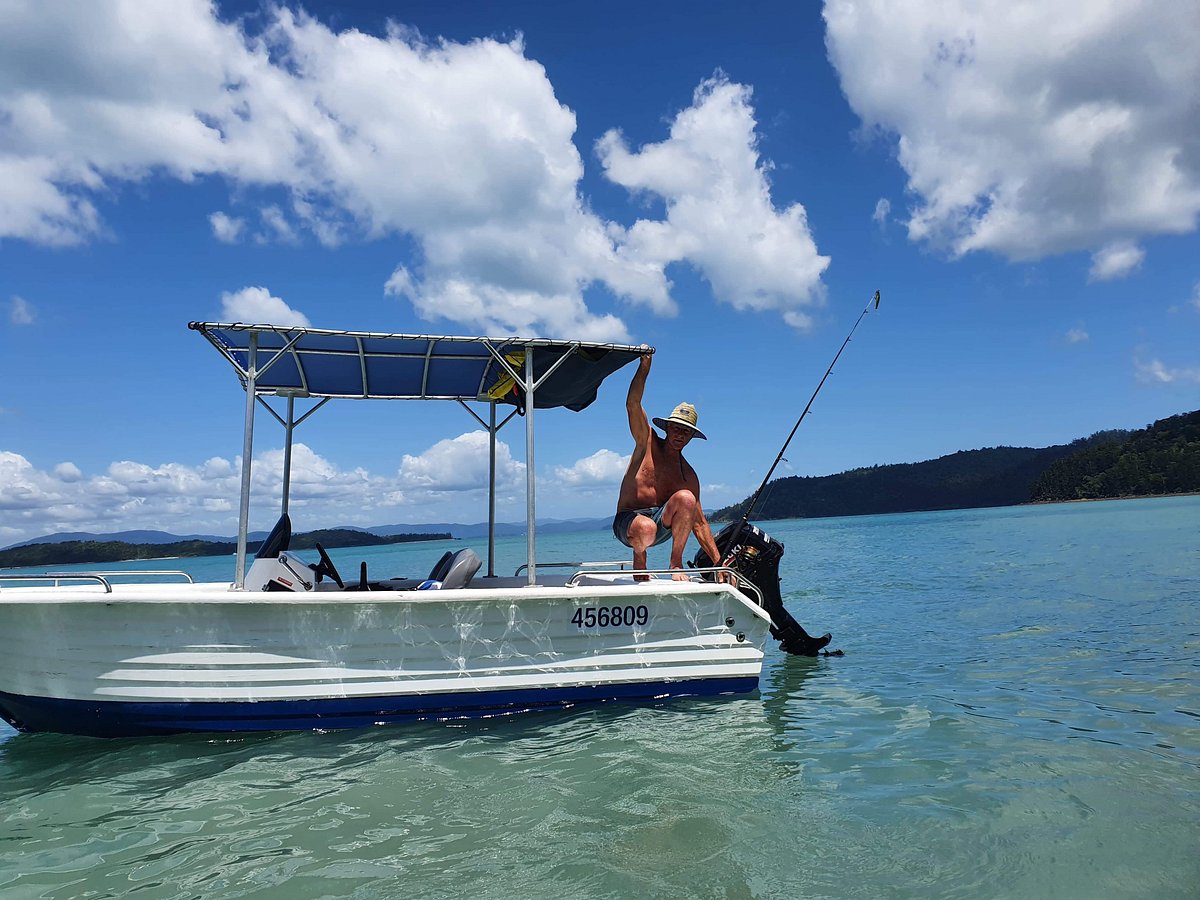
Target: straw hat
684,414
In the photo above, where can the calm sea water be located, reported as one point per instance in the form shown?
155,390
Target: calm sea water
1017,715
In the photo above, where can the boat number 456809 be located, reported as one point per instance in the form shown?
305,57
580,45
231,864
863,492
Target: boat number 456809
610,616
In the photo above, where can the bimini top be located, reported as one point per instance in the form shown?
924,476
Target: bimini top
313,362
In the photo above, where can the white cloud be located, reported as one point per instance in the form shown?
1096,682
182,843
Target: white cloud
604,468
1077,335
883,209
255,305
20,311
1030,128
1196,295
459,464
462,146
1115,260
68,472
227,229
1153,371
449,480
276,227
720,216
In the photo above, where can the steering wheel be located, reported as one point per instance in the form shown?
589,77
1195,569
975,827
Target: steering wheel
326,567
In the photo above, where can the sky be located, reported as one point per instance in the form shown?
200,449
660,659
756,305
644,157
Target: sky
728,184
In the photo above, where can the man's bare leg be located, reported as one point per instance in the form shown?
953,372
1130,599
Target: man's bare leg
680,516
642,532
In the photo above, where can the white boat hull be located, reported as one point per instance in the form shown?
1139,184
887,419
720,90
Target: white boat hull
153,659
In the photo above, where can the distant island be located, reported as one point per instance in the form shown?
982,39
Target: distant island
65,552
1163,458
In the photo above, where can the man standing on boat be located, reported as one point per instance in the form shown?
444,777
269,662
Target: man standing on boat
660,493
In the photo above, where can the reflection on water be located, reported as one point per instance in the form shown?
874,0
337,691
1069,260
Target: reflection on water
1016,716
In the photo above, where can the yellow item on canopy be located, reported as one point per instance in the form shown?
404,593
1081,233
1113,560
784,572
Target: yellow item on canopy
505,384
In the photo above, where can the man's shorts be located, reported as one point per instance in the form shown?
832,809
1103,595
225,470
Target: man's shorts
623,519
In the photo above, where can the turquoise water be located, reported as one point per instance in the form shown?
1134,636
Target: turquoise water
1017,715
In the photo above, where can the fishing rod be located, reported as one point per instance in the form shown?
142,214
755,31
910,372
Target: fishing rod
754,499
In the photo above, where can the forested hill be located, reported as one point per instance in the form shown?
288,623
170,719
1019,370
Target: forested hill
117,551
1160,459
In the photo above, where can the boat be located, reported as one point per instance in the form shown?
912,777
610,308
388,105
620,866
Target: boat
292,644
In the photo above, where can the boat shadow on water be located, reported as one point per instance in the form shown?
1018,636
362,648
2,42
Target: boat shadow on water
35,763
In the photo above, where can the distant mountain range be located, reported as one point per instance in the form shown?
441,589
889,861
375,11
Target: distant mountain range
480,529
458,530
119,551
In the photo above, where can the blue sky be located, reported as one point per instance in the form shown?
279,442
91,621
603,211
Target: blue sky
1021,181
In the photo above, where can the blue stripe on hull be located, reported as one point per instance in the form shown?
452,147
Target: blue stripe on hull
108,718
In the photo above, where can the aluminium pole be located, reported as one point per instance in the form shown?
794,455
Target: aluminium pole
287,451
492,492
247,454
530,504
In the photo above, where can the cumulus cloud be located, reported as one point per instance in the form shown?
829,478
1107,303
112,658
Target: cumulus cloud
720,215
1028,128
255,305
1196,295
226,229
1115,260
20,311
604,468
1153,371
67,472
186,498
339,136
1077,335
129,494
459,464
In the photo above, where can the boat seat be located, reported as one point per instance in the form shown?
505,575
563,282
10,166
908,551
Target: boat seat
460,569
441,567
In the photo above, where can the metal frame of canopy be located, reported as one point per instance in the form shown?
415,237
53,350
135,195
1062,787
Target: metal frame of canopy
372,351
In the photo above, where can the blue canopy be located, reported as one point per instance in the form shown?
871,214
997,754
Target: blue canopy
365,365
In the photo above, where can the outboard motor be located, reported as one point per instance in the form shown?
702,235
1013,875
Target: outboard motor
755,555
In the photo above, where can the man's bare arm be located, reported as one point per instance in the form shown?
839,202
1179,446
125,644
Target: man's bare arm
704,535
639,425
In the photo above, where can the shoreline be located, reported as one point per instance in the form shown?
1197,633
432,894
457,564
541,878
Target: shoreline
1103,499
906,512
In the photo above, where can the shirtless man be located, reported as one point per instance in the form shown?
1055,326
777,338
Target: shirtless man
660,494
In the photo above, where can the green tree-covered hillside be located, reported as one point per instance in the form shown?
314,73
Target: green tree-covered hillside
998,476
1161,459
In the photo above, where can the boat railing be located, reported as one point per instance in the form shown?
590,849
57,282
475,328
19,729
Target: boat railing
616,563
743,583
101,578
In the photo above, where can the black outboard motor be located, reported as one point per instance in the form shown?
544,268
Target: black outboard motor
756,555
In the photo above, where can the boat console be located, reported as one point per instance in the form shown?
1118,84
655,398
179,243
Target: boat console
277,569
